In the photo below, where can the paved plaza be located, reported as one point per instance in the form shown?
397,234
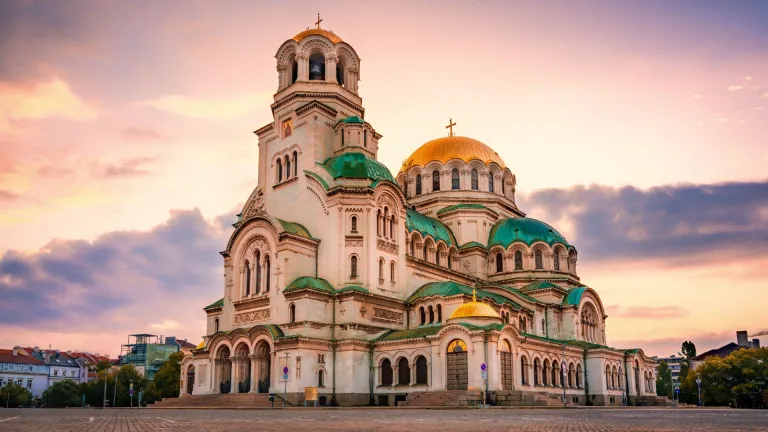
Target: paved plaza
383,420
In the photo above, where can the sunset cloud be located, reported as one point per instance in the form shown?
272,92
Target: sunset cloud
43,100
126,168
142,134
212,108
735,87
650,312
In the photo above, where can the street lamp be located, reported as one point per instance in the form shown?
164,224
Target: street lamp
698,383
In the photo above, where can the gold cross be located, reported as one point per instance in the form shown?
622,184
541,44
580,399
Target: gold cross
318,21
450,126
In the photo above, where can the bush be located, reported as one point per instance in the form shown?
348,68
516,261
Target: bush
14,395
62,394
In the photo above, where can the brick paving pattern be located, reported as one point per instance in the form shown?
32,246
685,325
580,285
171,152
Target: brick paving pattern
382,420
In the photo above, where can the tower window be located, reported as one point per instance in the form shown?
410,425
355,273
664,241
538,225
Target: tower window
316,67
294,71
557,260
518,260
342,137
475,185
339,73
455,178
216,325
279,171
392,271
353,267
365,138
287,168
538,259
354,223
435,180
247,278
292,313
499,263
295,164
268,267
490,182
418,184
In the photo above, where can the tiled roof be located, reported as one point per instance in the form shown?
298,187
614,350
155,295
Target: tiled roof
447,289
471,245
415,221
357,165
312,283
541,285
217,304
6,356
352,119
429,330
574,296
464,206
318,178
296,229
526,230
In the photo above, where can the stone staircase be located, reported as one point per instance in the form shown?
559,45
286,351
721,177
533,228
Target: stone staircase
520,398
240,400
450,398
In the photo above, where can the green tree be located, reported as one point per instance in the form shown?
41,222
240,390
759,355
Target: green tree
167,377
688,352
664,380
125,376
739,379
13,395
62,394
103,364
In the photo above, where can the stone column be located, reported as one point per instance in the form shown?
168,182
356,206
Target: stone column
252,360
330,68
429,375
232,377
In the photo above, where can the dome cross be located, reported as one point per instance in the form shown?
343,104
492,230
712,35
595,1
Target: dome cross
450,126
319,20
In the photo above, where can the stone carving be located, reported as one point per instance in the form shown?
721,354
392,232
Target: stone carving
354,243
386,246
363,311
387,315
247,317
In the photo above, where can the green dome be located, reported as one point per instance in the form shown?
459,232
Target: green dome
358,166
525,230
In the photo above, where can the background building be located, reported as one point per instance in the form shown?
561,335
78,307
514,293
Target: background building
16,365
742,341
147,352
674,366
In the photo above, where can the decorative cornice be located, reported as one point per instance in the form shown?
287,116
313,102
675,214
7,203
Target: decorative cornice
316,105
264,129
247,303
285,182
498,199
308,95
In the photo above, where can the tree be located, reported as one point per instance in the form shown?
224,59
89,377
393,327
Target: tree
13,395
688,352
103,364
740,379
62,394
167,377
664,380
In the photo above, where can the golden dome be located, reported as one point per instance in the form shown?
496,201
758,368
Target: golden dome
318,31
452,147
201,345
475,309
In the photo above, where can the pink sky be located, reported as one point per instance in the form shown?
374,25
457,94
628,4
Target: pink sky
112,116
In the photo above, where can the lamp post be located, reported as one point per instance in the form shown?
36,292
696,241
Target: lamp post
104,404
562,378
698,384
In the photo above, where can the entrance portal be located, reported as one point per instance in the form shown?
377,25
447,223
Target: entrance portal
506,366
190,379
243,368
457,370
224,366
263,366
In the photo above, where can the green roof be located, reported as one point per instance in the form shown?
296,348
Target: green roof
429,330
540,285
464,206
352,119
428,226
308,282
525,230
274,330
574,296
216,304
471,245
318,178
296,229
447,289
352,288
514,291
357,165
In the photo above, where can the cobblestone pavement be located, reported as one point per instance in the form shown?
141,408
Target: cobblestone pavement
383,420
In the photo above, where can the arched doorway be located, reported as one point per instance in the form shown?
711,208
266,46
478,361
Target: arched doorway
224,366
243,368
457,371
263,366
190,379
507,377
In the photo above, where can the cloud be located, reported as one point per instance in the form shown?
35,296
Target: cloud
748,78
39,101
217,108
6,196
735,87
142,134
116,283
667,346
126,168
648,312
765,95
674,224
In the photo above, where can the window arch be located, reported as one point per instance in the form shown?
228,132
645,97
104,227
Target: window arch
538,259
457,345
437,257
589,323
435,180
413,247
545,373
571,373
536,370
320,378
295,164
279,170
524,370
384,221
421,370
439,313
503,188
578,375
418,184
216,325
268,266
287,168
381,269
403,372
474,178
499,263
518,259
424,256
422,316
431,314
392,227
247,278
342,137
378,222
258,271
365,138
392,271
607,376
386,372
317,67
490,182
455,184
353,267
557,260
292,313
354,224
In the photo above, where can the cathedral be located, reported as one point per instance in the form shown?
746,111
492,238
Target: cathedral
426,288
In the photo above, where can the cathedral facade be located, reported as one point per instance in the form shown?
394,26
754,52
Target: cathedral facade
378,289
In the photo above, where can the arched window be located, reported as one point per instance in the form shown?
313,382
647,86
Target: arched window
294,71
247,278
422,316
490,182
557,260
475,185
518,260
431,315
424,256
268,266
295,164
437,257
607,376
353,267
292,313
539,261
340,73
413,247
589,323
455,178
457,345
545,373
216,325
536,369
499,263
258,272
384,221
316,67
365,138
578,376
571,372
555,369
503,188
418,184
436,180
403,372
621,378
524,370
392,227
342,137
523,324
386,373
378,222
279,170
381,269
287,168
392,271
354,224
320,378
450,261
439,313
421,370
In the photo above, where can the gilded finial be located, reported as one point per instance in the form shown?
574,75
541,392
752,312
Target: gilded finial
474,295
450,126
319,20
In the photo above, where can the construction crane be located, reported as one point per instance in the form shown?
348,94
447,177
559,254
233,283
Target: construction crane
762,332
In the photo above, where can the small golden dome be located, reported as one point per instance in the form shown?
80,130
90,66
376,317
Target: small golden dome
475,309
201,345
452,147
318,31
